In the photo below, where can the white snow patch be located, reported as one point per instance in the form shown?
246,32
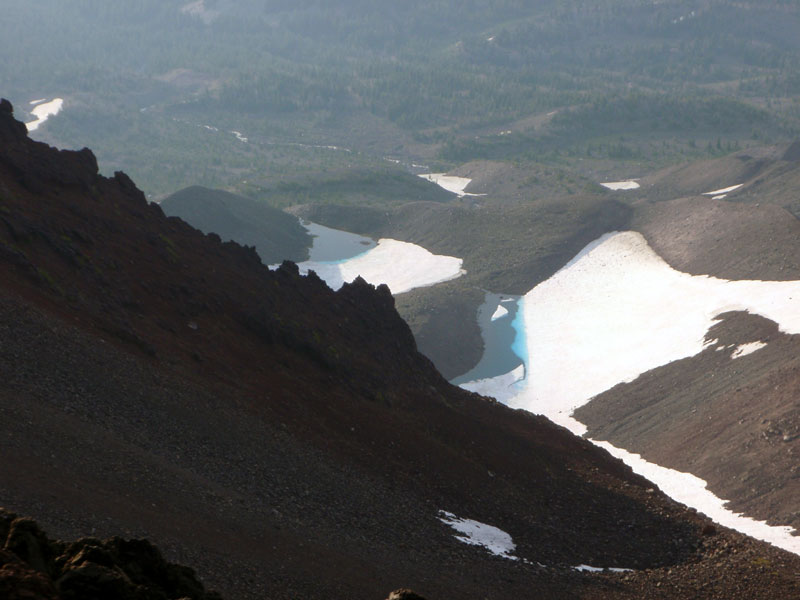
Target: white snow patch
39,101
44,111
692,491
451,183
400,265
723,191
501,312
589,569
745,349
239,136
495,540
621,185
616,311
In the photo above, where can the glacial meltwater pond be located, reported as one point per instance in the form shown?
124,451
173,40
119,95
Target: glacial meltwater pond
500,320
334,245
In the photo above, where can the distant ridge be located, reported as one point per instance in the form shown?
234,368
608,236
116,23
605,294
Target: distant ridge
276,235
792,152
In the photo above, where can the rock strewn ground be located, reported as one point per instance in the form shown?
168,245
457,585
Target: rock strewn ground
33,567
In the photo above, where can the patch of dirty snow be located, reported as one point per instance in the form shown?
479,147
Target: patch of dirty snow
495,540
745,349
723,191
590,569
451,183
621,185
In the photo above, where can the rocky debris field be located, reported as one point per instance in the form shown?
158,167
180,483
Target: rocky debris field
33,567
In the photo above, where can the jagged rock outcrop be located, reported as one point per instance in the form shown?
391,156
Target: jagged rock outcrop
404,594
33,567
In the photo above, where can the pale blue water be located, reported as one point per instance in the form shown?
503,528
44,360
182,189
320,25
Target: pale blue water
504,340
334,245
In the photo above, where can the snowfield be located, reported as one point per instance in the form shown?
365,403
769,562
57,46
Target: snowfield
616,311
400,265
451,183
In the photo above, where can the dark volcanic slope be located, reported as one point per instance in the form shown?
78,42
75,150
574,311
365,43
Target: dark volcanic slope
276,235
33,567
285,440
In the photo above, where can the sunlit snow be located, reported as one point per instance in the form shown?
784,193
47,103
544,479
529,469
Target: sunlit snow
616,311
400,265
590,569
723,191
745,349
451,183
501,312
495,540
498,542
621,185
43,111
692,491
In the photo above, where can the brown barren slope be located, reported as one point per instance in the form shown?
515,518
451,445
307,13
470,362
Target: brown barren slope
734,422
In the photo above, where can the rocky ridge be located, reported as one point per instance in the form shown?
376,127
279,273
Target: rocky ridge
33,567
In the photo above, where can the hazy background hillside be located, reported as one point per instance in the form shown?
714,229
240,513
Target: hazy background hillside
158,88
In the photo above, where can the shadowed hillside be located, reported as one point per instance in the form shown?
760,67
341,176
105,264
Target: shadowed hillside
275,234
